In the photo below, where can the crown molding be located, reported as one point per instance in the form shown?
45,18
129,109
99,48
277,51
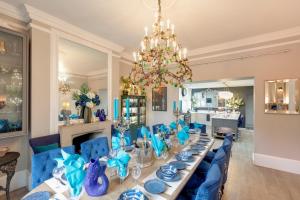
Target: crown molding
13,12
259,41
43,17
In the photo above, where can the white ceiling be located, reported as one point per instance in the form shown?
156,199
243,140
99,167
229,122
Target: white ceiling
80,60
198,23
222,83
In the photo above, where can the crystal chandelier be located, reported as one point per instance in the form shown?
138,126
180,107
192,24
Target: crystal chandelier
64,85
160,60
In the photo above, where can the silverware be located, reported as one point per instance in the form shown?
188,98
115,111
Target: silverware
60,181
167,184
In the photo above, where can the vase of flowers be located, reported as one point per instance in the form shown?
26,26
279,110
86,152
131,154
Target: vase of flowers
86,100
235,103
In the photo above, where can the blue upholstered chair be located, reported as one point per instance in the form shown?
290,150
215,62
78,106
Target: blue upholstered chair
209,189
227,144
156,127
115,132
42,164
202,127
201,172
94,148
44,143
139,132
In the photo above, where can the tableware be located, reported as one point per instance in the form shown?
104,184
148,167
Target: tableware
136,172
161,176
194,151
198,147
128,148
43,195
168,171
184,155
133,194
155,186
204,139
178,164
184,159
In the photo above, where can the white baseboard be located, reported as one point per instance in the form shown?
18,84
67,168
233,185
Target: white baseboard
19,180
282,164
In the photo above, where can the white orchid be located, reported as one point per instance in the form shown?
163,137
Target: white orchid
90,95
90,104
77,92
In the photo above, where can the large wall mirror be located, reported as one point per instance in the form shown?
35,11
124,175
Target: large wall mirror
81,68
282,96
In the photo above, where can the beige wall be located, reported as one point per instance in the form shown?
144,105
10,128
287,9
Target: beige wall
97,84
40,83
275,135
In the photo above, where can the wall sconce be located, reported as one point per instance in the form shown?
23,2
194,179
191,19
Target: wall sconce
2,101
2,47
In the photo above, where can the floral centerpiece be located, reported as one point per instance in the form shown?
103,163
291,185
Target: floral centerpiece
235,102
85,99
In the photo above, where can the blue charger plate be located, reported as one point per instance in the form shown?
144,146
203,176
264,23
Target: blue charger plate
133,194
155,186
178,164
161,176
39,196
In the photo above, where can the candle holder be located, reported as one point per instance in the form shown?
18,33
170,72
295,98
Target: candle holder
177,114
122,128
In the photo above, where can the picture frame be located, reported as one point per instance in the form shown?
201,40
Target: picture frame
159,99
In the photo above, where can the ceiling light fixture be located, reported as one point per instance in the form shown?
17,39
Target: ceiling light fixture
160,60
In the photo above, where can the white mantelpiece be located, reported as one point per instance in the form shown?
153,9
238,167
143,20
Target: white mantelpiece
67,133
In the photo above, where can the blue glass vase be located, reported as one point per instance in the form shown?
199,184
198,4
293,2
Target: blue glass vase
96,170
102,115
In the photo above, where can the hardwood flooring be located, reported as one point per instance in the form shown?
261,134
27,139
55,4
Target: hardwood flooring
246,181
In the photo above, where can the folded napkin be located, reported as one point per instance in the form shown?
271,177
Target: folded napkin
186,129
120,162
146,132
164,129
182,123
116,141
197,125
173,125
74,171
182,136
157,145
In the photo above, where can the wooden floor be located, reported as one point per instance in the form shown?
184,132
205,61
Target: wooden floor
245,181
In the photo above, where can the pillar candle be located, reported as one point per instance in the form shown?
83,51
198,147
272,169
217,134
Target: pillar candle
127,109
180,105
174,106
116,109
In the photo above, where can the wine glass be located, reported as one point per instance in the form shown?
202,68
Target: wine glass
136,172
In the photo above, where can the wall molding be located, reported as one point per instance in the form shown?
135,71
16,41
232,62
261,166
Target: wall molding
278,163
19,180
45,18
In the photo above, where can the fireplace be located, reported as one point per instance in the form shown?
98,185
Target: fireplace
78,133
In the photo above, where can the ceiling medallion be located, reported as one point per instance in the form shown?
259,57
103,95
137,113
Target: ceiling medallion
160,60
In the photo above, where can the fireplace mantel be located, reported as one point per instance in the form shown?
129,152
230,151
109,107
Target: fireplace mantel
67,133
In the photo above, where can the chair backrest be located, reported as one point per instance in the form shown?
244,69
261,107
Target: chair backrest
227,144
43,141
211,187
202,126
115,132
139,132
94,148
42,164
229,136
156,127
220,159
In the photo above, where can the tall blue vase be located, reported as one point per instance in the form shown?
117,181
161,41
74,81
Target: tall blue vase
96,170
102,115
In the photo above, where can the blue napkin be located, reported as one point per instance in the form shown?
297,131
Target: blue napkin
173,125
157,145
120,162
116,141
182,123
182,136
164,129
146,132
197,125
74,171
186,129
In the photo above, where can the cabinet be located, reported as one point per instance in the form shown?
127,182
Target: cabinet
13,83
137,109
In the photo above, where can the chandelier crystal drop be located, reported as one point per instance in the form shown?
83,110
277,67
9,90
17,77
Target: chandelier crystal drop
160,60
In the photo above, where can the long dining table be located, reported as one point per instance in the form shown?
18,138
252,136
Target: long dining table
116,187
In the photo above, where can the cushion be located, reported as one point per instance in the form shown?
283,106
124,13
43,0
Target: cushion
43,148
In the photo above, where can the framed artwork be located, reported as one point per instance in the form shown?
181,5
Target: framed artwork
159,99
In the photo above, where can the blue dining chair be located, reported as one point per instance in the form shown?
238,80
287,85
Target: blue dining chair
139,132
201,126
155,128
210,189
45,143
227,144
94,148
201,172
42,164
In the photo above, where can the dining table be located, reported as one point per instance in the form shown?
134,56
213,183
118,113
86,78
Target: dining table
116,187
